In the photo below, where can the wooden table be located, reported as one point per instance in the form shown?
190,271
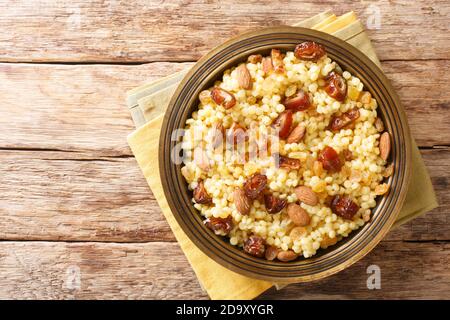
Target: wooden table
77,219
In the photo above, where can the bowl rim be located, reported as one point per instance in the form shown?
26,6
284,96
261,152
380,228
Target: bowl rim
228,260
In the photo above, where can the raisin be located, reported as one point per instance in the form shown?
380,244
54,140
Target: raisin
283,124
336,86
255,246
344,207
286,162
309,51
274,204
223,97
299,102
330,159
255,185
344,120
220,226
200,194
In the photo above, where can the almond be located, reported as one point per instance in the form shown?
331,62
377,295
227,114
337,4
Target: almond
286,256
306,195
296,134
241,201
243,76
277,60
271,253
201,159
267,65
217,135
298,215
385,146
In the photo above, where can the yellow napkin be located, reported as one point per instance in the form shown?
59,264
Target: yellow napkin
149,102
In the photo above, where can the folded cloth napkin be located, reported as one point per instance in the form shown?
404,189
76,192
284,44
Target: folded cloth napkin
148,104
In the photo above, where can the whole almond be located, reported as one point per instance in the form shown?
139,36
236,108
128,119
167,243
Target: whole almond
271,253
385,145
297,232
241,201
306,195
296,134
217,135
244,77
201,159
286,256
267,65
298,215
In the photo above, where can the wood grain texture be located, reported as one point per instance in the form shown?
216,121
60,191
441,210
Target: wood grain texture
70,190
82,107
74,197
70,107
48,270
184,30
71,196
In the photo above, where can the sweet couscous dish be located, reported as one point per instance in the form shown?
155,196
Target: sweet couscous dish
286,154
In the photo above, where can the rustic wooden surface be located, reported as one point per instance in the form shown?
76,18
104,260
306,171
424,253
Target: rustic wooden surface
77,219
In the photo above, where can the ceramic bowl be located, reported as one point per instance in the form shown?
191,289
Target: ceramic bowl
325,262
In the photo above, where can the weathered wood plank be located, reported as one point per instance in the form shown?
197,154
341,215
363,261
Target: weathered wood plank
74,197
408,271
68,196
185,30
82,107
69,107
58,270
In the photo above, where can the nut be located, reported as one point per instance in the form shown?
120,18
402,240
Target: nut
286,256
296,134
306,195
243,76
267,65
298,215
385,146
271,253
241,201
201,159
223,97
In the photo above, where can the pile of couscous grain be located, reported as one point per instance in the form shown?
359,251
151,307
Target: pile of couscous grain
359,179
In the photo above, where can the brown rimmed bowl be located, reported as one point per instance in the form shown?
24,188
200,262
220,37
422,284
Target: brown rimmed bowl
347,251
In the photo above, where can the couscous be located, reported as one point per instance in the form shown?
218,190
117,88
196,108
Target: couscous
286,154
